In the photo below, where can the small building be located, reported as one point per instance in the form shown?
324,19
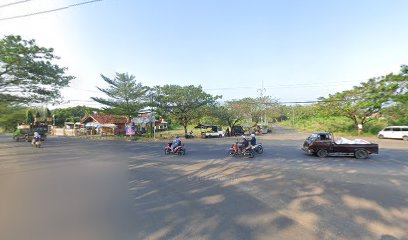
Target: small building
105,124
146,118
73,129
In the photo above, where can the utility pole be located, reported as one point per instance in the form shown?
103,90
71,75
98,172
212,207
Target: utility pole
261,91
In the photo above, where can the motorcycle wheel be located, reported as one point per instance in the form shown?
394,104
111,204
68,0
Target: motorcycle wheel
259,149
231,153
181,152
166,151
251,154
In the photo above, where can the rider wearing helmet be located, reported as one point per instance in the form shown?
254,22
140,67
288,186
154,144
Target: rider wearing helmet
176,143
253,139
243,143
36,138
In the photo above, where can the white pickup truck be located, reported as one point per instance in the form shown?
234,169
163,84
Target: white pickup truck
208,130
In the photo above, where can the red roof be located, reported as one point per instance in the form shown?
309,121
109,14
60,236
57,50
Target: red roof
106,119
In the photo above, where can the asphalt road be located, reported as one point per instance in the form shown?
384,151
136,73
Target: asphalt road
87,189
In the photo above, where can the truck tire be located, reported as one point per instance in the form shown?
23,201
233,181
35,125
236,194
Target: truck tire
380,136
322,153
405,138
361,154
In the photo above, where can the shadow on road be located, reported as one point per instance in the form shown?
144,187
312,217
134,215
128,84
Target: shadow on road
278,195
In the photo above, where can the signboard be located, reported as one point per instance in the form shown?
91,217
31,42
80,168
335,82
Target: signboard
130,130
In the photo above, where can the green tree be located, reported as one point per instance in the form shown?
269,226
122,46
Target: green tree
254,110
396,114
359,104
71,114
395,86
29,116
10,116
125,95
183,104
27,73
225,115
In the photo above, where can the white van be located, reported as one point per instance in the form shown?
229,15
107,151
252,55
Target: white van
400,132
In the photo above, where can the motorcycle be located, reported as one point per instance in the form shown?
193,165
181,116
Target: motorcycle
258,148
179,150
20,138
235,151
189,135
37,143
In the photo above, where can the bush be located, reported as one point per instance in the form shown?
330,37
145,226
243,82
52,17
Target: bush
374,127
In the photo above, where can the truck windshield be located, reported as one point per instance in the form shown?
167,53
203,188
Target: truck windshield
313,137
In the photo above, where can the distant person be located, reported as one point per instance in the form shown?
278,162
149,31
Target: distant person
359,129
227,132
17,133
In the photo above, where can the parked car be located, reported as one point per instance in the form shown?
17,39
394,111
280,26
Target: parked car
322,144
237,131
208,130
398,132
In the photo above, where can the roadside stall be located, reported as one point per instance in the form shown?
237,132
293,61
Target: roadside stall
100,129
142,124
104,124
73,129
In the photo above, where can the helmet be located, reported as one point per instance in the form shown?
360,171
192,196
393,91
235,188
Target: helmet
252,135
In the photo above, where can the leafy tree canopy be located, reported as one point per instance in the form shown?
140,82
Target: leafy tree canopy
125,95
71,114
369,98
225,115
27,73
183,103
253,110
10,116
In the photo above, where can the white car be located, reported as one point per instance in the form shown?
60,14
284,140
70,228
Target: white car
218,133
399,132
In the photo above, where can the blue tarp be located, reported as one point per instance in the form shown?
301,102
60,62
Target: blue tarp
91,124
141,120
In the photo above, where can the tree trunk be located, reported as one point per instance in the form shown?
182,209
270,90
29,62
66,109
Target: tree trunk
185,128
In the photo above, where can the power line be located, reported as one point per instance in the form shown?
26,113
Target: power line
49,11
13,3
295,85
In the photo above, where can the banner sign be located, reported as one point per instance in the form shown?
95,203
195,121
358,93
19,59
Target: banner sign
130,130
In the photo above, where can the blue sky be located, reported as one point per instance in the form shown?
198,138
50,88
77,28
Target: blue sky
300,50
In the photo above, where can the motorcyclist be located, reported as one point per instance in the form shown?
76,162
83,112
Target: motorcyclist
176,143
190,134
243,143
253,139
36,138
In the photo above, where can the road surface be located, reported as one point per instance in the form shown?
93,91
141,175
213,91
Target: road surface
86,189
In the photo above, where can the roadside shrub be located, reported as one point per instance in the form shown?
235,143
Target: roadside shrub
375,126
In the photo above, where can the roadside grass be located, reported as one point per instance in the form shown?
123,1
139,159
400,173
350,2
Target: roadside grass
340,126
